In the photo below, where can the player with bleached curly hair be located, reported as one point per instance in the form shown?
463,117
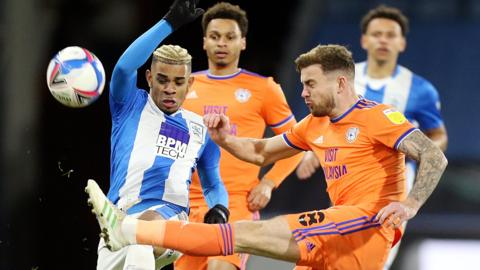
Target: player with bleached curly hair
155,144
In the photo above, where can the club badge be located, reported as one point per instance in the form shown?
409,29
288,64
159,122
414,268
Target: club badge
352,134
242,95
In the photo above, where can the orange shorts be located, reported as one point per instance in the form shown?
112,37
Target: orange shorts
340,237
237,212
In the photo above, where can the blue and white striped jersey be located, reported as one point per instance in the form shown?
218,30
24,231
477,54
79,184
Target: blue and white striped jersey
411,94
154,154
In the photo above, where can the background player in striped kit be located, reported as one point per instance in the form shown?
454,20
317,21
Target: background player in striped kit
155,144
383,80
363,145
252,102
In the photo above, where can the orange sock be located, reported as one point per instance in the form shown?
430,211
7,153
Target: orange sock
196,239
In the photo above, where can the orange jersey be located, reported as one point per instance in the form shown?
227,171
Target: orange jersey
358,153
252,102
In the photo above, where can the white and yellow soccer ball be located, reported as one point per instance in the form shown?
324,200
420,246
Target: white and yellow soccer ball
75,77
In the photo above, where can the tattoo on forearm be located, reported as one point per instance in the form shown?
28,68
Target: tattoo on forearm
431,160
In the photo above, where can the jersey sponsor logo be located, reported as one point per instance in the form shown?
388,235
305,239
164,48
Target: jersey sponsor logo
242,95
172,142
335,172
170,147
352,134
318,140
215,109
395,116
223,110
331,154
308,219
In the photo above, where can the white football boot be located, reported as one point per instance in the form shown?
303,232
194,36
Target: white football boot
108,215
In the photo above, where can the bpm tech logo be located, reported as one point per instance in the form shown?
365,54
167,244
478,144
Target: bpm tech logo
172,142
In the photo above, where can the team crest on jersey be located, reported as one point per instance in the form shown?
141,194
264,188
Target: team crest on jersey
352,134
395,116
242,95
197,131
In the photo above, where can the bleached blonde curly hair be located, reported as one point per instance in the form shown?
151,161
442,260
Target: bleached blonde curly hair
173,55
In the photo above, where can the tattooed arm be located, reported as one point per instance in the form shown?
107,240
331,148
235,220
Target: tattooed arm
432,163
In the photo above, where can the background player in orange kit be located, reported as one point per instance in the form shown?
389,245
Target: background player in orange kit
361,146
252,102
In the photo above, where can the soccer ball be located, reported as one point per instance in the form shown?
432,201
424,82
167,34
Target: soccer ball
75,77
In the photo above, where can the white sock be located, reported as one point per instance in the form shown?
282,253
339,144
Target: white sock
129,229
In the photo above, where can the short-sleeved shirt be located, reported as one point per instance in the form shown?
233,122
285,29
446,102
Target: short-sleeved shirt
357,151
251,102
408,92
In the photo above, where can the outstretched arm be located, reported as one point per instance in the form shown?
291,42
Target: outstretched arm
124,75
257,151
432,163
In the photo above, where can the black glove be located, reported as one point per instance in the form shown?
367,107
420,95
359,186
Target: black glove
217,214
182,12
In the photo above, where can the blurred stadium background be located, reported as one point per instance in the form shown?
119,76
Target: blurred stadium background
48,151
